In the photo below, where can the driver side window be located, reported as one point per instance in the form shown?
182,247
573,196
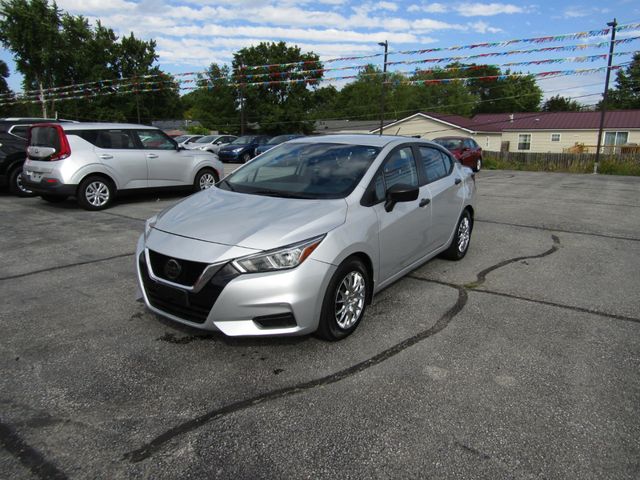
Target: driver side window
398,168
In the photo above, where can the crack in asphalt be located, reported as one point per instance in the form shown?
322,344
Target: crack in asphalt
127,217
550,229
159,441
32,459
70,265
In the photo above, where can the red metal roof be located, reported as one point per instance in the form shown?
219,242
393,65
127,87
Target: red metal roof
497,122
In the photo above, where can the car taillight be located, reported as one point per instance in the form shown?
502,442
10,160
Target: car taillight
65,148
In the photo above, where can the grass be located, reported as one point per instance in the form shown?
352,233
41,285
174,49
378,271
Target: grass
608,166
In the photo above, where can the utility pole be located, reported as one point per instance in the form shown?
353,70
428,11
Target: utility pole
603,108
384,44
241,92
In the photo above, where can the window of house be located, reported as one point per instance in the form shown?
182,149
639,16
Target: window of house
616,138
524,141
555,137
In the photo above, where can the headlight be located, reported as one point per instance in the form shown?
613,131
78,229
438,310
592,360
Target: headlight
281,259
148,225
237,150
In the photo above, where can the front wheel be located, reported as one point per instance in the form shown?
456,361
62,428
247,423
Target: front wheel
205,178
246,157
15,183
460,243
345,300
95,193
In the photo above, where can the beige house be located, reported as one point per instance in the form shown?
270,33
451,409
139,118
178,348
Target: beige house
548,132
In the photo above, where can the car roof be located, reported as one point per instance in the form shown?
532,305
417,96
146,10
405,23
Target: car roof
365,139
101,126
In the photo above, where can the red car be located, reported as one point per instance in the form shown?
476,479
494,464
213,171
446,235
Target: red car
465,149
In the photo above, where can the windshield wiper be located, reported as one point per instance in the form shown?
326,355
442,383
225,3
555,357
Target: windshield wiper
278,193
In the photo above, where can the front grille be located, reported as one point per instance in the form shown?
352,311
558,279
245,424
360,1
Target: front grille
191,306
189,273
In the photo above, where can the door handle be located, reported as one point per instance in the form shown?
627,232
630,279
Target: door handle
106,156
424,202
152,155
458,181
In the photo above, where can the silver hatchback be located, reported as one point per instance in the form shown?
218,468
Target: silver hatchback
95,161
299,239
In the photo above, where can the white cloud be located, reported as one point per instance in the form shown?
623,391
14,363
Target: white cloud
96,6
483,27
578,11
487,9
429,8
386,6
427,25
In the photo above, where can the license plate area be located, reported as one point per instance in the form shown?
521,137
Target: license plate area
34,176
171,295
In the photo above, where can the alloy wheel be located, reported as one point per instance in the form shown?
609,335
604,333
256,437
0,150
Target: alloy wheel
350,300
464,234
207,180
97,193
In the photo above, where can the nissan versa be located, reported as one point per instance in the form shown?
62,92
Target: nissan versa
300,239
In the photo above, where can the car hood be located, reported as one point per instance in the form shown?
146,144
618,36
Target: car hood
229,148
251,221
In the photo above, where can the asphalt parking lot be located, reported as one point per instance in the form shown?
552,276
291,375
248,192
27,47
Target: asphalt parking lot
520,361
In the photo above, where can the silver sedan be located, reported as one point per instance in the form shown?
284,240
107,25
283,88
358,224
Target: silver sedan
301,238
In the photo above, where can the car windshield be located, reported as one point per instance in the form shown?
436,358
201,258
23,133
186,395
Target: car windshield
304,170
181,138
243,140
279,139
207,139
449,143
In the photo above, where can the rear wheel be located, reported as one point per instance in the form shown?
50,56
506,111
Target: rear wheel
246,157
205,178
54,198
460,243
478,165
15,183
95,193
345,300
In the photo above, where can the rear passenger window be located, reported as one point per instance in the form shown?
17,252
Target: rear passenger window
107,139
436,164
20,131
400,168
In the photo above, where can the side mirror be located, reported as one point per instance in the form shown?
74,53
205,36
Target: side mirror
400,193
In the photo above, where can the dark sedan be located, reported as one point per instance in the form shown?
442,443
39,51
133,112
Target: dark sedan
242,149
276,141
465,149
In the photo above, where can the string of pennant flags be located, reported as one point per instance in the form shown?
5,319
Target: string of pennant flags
276,75
206,83
158,86
201,75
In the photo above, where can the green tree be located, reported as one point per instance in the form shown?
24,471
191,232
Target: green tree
558,103
448,96
626,94
215,102
278,107
31,30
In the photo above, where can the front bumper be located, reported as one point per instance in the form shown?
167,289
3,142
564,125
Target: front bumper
45,188
288,302
229,156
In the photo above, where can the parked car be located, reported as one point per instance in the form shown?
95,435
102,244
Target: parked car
96,161
13,147
211,143
242,149
186,140
465,149
300,239
276,141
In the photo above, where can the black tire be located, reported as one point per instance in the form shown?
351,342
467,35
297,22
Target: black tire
458,249
15,183
96,193
329,327
245,157
54,198
478,165
205,178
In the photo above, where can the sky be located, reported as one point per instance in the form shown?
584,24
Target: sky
191,34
